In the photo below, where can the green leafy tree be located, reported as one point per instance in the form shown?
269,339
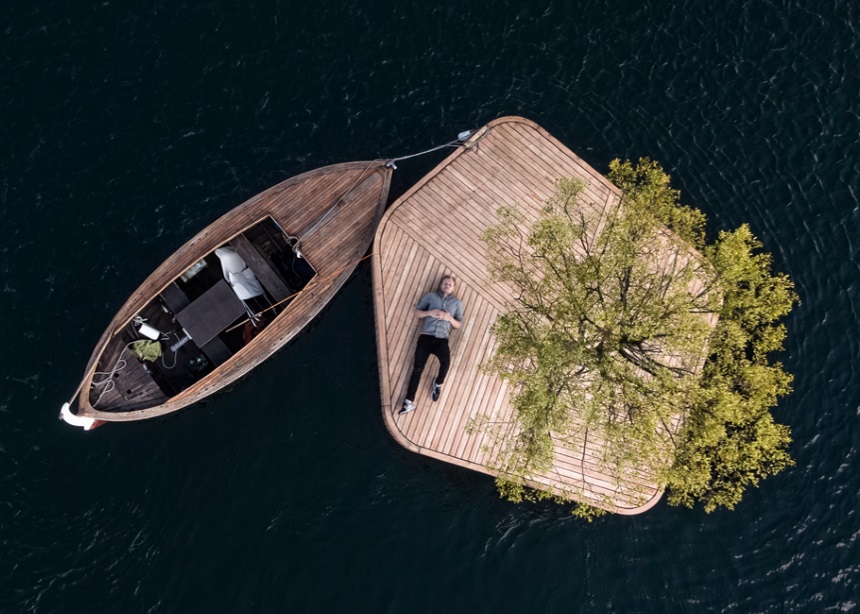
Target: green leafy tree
730,440
606,334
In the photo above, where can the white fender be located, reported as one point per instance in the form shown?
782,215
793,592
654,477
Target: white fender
70,418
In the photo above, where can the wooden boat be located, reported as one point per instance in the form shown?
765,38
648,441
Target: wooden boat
233,295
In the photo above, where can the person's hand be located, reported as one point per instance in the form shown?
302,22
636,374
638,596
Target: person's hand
440,314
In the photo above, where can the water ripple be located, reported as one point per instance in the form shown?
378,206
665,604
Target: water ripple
128,130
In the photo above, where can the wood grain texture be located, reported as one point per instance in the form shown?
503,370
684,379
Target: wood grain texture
435,228
356,192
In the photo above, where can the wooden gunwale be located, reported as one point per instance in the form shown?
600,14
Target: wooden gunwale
334,251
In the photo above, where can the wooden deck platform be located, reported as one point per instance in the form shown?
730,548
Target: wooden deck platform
435,228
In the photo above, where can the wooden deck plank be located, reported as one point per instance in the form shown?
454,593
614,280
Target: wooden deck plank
409,329
484,210
409,254
498,411
550,154
469,393
468,447
532,177
399,242
509,162
462,365
407,323
492,196
530,187
446,244
542,175
461,391
593,197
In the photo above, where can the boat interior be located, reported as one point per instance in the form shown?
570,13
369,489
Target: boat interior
200,320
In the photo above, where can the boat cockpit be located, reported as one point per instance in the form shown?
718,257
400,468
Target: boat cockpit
201,319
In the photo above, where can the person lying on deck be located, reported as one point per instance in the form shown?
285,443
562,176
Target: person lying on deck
440,311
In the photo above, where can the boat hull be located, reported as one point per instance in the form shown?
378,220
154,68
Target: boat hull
333,210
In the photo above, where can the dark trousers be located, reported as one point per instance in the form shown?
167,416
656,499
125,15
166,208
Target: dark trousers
428,344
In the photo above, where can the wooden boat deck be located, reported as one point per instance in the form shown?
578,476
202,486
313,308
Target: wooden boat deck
436,228
333,210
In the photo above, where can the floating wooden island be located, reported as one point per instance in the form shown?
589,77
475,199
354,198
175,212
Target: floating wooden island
436,228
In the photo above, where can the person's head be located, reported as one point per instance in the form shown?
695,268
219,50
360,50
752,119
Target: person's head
447,284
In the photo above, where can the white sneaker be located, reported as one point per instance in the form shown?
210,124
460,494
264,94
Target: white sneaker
407,407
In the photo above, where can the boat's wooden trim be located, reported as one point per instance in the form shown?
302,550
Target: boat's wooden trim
334,251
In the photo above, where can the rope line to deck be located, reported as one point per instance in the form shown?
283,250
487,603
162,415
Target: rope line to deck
460,140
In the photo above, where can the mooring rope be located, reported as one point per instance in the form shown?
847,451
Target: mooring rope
461,138
295,241
108,382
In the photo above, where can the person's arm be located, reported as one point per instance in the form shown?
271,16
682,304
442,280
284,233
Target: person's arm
457,317
422,309
455,323
441,314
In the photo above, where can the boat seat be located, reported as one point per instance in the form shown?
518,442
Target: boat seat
263,268
241,278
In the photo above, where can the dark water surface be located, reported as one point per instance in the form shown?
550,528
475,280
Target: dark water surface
126,130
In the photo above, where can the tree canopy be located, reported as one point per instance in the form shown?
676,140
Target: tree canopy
627,328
